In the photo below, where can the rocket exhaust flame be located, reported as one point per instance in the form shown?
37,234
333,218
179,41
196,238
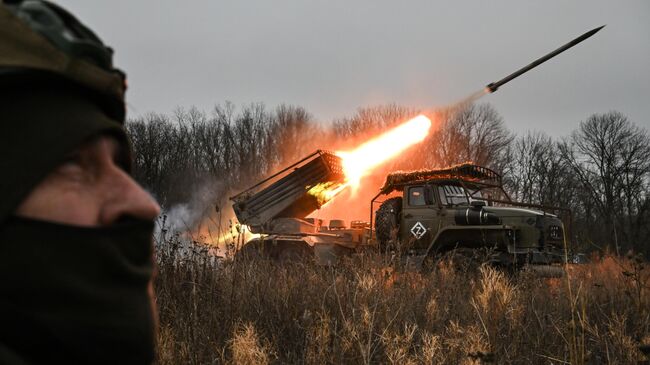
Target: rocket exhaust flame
360,161
324,192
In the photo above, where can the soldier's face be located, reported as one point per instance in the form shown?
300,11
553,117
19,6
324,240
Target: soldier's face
90,189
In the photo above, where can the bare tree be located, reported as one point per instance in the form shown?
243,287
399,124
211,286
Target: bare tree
151,153
611,157
538,174
295,133
472,132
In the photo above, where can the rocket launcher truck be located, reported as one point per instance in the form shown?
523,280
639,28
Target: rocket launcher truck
460,211
427,212
277,207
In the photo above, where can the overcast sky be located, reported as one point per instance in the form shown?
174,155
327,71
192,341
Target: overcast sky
332,57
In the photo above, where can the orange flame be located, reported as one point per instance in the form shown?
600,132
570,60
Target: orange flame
324,192
360,161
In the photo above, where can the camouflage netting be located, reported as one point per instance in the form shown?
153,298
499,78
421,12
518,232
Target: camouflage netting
465,171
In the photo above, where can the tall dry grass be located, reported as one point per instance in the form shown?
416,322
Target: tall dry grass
366,311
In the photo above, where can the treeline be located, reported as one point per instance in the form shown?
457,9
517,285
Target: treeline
179,154
601,171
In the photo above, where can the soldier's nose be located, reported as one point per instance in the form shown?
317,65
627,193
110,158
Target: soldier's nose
125,198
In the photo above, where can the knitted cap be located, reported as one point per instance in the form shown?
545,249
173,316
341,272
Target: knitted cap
58,89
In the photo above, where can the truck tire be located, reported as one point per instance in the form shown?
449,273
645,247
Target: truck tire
387,222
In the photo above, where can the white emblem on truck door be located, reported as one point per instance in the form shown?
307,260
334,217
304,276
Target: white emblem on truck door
418,230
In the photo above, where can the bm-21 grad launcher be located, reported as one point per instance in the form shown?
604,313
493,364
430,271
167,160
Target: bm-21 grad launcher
277,208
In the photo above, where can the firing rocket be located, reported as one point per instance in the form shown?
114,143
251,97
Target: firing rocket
494,86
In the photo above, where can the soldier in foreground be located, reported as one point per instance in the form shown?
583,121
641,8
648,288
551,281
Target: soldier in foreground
75,229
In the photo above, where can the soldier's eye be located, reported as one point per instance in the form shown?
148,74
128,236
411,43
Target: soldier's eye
72,160
72,166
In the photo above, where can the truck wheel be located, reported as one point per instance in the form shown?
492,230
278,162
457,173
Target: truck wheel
387,222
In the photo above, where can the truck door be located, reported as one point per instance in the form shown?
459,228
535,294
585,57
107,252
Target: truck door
420,216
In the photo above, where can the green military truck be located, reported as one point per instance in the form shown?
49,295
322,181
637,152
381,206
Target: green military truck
422,214
463,209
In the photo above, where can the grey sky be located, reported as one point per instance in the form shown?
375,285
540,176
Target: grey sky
332,57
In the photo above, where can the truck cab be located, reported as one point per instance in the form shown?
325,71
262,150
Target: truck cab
431,212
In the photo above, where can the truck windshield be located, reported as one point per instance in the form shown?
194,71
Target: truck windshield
455,195
452,195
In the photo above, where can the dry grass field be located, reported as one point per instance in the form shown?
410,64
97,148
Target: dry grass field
367,311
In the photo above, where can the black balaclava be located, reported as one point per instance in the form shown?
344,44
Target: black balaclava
68,294
76,295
